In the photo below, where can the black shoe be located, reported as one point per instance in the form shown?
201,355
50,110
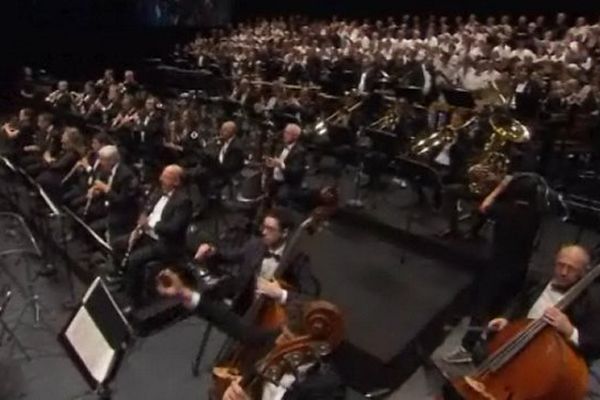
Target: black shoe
114,278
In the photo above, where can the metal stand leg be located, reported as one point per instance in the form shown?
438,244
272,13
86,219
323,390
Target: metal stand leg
356,201
201,349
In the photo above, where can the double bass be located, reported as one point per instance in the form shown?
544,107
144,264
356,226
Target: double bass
265,313
530,359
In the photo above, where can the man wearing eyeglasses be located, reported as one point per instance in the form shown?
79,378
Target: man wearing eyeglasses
260,260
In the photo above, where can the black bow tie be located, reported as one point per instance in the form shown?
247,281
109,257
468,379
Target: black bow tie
272,255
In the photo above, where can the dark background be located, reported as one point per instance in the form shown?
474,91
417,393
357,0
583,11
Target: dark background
76,37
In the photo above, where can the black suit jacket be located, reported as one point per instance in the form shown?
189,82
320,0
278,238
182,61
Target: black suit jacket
321,381
233,159
249,259
583,314
123,206
176,215
529,101
295,165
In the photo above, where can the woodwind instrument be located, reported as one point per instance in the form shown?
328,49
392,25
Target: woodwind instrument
134,236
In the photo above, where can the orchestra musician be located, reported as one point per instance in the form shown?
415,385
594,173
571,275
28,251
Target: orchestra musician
317,380
55,168
112,190
288,167
159,234
514,207
577,324
81,176
259,259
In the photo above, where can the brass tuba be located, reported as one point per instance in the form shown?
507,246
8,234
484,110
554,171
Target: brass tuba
435,142
493,164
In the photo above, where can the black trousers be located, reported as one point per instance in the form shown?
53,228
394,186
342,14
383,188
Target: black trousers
495,287
138,268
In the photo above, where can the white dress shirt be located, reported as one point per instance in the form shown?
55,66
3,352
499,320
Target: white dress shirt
224,150
156,214
277,171
547,299
268,268
272,391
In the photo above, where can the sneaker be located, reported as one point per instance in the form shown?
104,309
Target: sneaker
458,356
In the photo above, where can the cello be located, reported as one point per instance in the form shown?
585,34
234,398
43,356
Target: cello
324,332
265,313
529,359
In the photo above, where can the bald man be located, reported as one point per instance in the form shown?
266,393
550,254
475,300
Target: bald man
288,166
579,323
161,232
218,168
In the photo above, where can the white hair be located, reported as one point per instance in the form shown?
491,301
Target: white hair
109,151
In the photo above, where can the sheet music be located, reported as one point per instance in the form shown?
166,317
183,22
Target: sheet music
90,345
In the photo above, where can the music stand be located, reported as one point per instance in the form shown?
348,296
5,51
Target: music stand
459,98
96,338
382,142
412,94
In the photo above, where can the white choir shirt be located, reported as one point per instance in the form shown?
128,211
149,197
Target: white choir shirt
547,299
521,54
224,150
503,51
156,214
363,82
427,80
278,172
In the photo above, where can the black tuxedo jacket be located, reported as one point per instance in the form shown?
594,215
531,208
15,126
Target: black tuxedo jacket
529,101
172,227
295,164
583,314
65,161
321,381
233,159
249,260
123,206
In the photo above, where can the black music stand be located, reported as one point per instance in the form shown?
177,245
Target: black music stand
412,94
384,144
459,98
96,339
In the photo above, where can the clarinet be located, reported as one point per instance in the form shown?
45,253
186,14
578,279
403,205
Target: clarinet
133,239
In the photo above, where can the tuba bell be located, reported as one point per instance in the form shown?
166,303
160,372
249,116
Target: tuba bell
491,168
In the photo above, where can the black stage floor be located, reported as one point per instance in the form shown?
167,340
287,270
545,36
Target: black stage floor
398,289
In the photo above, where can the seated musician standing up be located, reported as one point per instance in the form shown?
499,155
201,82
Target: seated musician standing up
160,231
82,176
313,380
289,167
230,158
113,188
259,258
579,323
218,166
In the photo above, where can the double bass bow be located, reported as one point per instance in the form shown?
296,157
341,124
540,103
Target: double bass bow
264,313
531,360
